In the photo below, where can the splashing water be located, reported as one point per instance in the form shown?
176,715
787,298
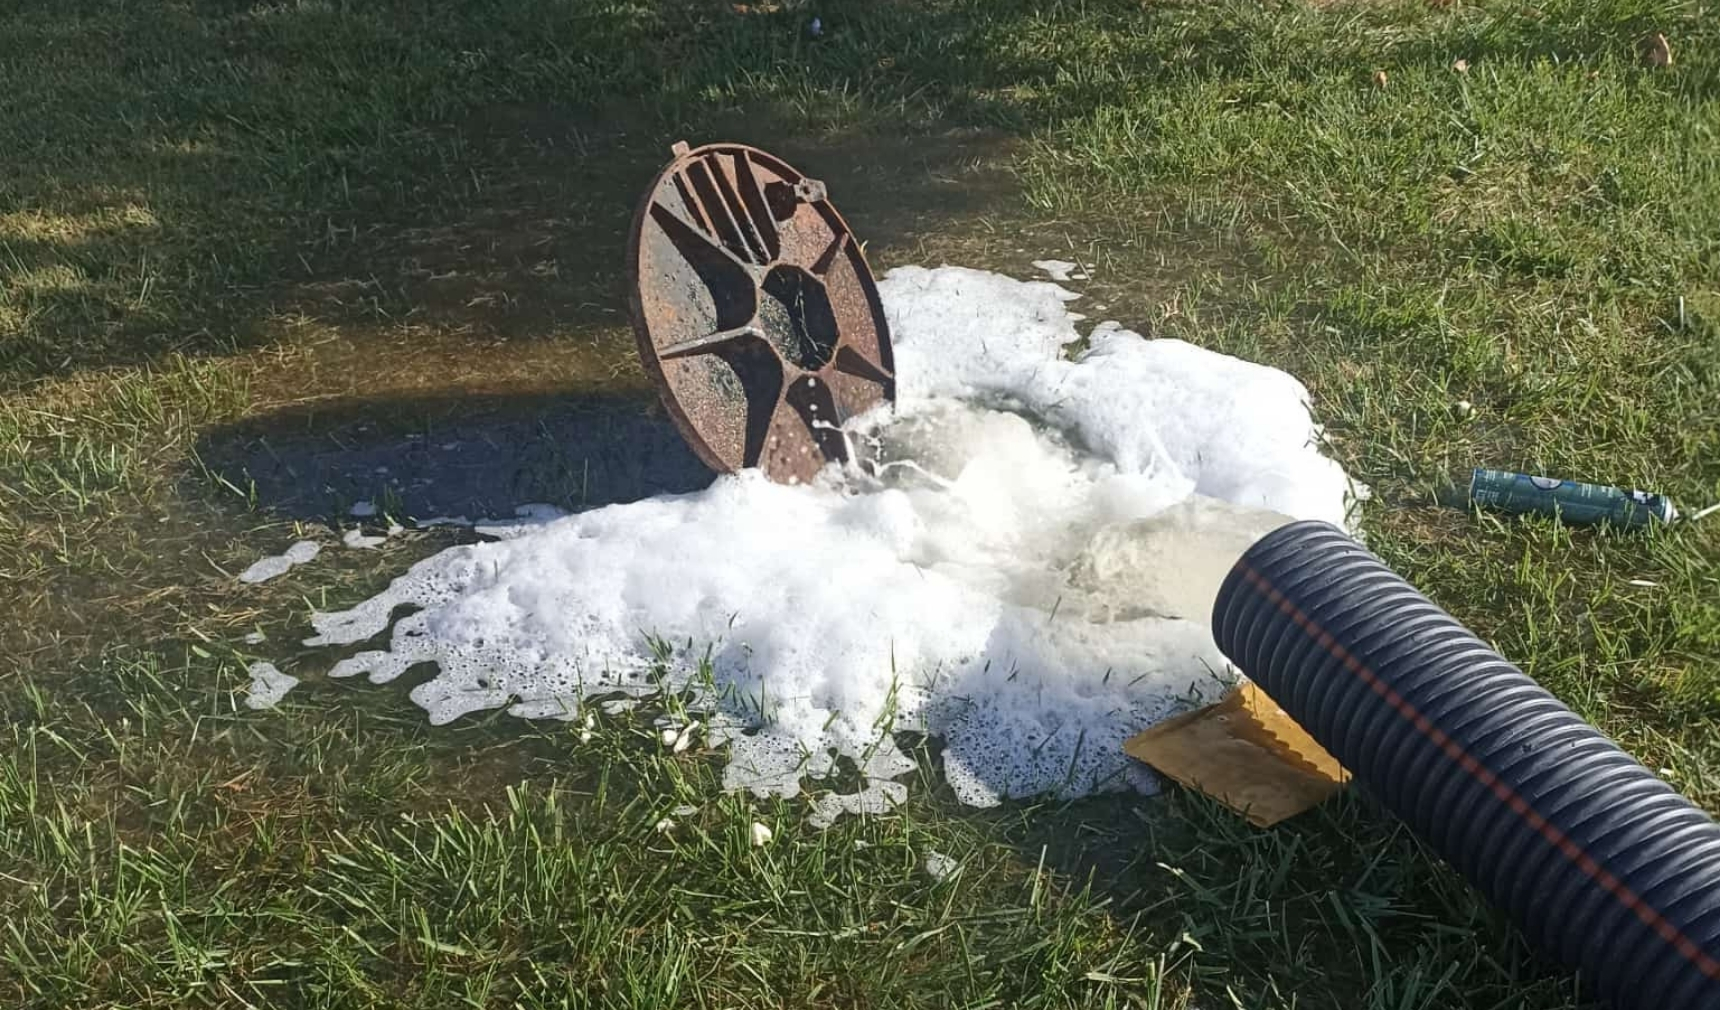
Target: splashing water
1023,568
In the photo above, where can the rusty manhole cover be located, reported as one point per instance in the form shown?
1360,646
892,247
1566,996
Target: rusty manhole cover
756,312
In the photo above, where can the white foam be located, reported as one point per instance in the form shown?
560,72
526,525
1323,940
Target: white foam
269,568
1165,409
303,552
362,509
1023,571
435,521
939,866
525,517
268,686
880,796
356,539
1057,270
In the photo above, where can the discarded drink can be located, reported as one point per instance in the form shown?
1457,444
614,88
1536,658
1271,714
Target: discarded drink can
1574,502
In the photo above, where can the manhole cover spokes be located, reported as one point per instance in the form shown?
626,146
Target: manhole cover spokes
755,312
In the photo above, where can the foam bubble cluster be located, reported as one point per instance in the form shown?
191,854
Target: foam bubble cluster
303,552
1022,568
268,685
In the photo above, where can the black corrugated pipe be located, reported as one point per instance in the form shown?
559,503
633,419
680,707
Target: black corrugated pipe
1597,860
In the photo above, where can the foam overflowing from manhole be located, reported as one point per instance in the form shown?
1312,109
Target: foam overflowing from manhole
1021,567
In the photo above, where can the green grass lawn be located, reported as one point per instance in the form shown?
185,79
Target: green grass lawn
223,221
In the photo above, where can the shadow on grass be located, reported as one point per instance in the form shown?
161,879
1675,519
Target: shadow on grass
477,456
1339,906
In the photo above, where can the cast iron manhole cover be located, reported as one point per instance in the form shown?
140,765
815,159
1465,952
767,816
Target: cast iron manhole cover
756,312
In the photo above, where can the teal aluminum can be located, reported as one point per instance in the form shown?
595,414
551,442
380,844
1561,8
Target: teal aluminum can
1573,502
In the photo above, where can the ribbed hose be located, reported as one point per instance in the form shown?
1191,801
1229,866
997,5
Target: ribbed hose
1599,862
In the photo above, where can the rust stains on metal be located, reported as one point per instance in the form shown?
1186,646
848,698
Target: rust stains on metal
755,312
